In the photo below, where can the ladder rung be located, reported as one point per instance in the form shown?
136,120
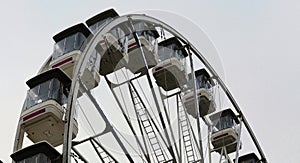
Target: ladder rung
147,127
183,123
187,152
144,120
191,160
187,135
187,143
182,119
190,156
189,148
103,153
158,152
153,137
184,128
186,132
146,123
160,156
141,113
154,143
149,132
157,147
104,157
137,102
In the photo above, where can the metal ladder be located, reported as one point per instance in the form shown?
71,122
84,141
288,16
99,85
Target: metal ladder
144,118
186,133
104,156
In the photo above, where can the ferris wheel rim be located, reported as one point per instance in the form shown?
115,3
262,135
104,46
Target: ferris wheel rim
89,49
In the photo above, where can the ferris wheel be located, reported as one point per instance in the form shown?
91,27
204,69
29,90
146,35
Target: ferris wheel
130,88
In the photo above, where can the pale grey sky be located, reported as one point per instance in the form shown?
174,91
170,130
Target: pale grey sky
257,41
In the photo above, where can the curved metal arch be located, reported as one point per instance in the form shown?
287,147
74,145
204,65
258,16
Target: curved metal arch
79,69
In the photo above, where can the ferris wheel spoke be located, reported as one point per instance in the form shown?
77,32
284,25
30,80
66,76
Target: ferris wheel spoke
167,114
79,155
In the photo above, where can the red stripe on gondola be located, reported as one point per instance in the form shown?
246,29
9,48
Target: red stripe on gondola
163,66
131,45
62,62
199,94
34,114
102,42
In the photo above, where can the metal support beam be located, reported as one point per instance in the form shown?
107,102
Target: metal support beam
239,142
79,155
169,123
196,104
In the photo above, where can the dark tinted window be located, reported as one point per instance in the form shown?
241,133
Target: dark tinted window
68,44
51,89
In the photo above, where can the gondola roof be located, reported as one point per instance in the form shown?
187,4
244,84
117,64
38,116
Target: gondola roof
173,40
202,72
247,157
205,73
41,147
223,113
51,74
81,28
111,13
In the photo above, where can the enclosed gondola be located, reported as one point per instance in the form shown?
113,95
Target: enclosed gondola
224,131
248,158
41,152
67,49
204,85
98,21
170,72
111,47
142,46
42,117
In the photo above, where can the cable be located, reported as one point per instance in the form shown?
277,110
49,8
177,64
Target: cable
89,123
123,99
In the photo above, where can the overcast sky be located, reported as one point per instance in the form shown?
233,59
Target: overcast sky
257,40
